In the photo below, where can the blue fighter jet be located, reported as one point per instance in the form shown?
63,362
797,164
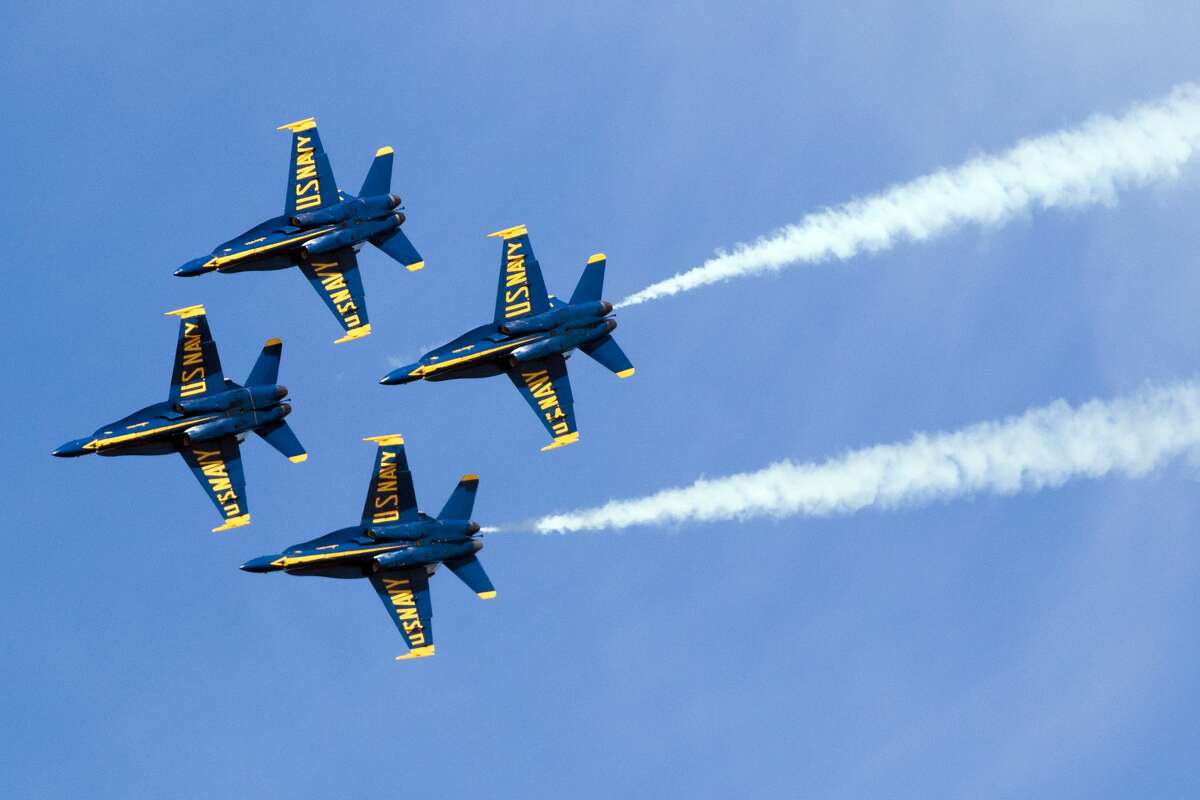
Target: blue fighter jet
396,547
204,418
530,338
321,230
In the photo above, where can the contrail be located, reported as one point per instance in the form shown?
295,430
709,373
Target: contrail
1075,167
1044,447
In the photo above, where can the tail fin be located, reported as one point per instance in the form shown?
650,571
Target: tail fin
280,436
397,245
379,176
462,499
266,369
470,571
610,354
591,282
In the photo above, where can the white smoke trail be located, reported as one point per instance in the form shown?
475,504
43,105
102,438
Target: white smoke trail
1076,167
1044,447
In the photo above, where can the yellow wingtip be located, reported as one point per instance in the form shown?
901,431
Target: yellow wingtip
418,652
470,476
420,265
187,311
486,595
597,257
272,342
385,440
508,233
386,150
355,333
625,373
562,441
233,522
300,459
299,125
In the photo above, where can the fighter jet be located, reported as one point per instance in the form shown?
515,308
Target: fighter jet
320,231
530,338
396,547
204,418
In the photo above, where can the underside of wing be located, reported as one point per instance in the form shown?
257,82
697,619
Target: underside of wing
336,278
217,465
547,389
521,291
197,368
310,183
405,595
390,497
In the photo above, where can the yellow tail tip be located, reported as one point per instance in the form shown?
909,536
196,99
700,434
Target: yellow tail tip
417,267
272,342
470,476
386,150
300,459
417,652
508,233
625,373
597,257
355,333
562,441
233,522
299,125
187,311
486,595
385,440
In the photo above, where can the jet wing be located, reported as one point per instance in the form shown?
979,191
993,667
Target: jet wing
545,386
521,292
310,183
217,465
336,278
390,497
197,368
405,595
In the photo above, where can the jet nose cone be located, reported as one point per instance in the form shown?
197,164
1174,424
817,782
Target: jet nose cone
70,449
192,268
260,564
403,375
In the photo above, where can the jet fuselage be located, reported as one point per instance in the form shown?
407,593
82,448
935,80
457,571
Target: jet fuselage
166,427
493,348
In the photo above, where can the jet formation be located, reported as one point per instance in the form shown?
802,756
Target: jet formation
206,415
321,230
396,547
204,418
530,337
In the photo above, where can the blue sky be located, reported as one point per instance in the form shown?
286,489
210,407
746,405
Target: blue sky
1041,645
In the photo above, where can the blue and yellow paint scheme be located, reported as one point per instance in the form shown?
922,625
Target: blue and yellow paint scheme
204,418
321,230
530,337
396,547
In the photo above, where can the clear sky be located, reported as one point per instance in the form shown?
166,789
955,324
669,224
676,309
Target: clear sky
1039,645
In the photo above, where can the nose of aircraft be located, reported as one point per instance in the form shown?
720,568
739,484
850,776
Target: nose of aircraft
192,268
260,564
70,449
402,375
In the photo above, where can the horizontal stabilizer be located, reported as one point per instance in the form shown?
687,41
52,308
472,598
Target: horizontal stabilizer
462,499
280,436
470,571
266,369
379,176
609,353
400,248
591,282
